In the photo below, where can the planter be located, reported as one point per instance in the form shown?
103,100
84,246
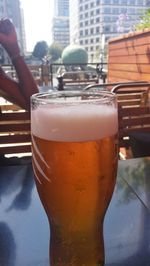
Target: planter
129,57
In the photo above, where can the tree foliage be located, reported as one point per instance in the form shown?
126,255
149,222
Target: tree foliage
55,51
40,50
74,54
145,21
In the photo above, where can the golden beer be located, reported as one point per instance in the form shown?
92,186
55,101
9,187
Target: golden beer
75,173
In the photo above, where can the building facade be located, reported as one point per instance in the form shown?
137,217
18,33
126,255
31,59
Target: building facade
60,23
11,9
94,22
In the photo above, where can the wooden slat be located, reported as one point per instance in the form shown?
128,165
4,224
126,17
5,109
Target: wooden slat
10,107
113,79
14,127
123,112
127,51
17,138
129,103
132,59
135,76
14,116
126,131
143,68
14,130
141,121
15,149
129,96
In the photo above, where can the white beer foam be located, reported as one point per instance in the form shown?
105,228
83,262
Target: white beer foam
84,122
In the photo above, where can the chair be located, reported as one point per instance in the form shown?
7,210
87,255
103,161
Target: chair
110,86
133,112
15,135
134,118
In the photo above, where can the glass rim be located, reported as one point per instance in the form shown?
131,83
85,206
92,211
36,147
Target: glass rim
53,96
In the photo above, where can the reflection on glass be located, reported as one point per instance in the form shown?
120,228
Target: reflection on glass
135,181
137,175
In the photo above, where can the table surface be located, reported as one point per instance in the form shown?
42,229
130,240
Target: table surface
24,229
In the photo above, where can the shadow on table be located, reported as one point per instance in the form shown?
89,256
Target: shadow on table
7,246
23,198
18,180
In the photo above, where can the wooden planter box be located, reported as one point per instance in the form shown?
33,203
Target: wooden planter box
129,57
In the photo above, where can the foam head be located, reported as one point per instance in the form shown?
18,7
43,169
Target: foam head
77,122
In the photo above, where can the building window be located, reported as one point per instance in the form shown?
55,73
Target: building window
97,30
81,16
116,10
81,24
86,41
81,42
91,31
107,18
81,32
107,28
86,15
2,9
92,13
140,2
106,10
92,4
86,6
91,41
86,23
130,11
86,32
132,2
107,2
97,2
97,11
97,20
92,21
124,2
91,48
123,10
140,12
97,39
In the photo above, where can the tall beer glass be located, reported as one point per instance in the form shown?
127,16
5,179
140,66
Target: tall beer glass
74,141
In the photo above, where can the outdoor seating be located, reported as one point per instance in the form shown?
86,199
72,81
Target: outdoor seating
133,113
134,118
15,135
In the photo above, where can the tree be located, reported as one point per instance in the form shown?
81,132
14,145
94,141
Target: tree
40,50
74,54
145,21
55,51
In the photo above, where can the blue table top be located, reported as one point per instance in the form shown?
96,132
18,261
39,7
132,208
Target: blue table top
24,229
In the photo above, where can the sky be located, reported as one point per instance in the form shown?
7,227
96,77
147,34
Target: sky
37,18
